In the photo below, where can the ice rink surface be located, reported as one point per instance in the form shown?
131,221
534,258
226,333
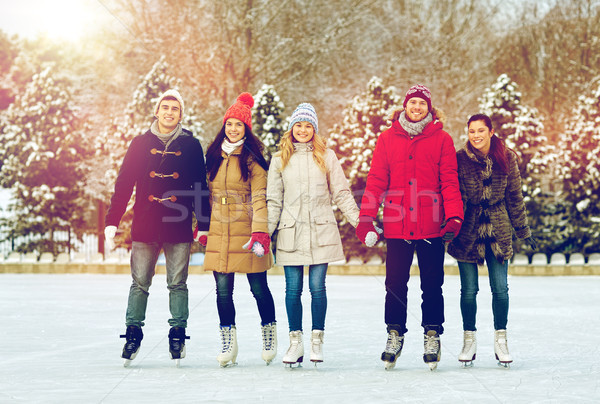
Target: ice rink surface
59,343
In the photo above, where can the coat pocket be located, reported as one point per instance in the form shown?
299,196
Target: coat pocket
430,214
286,236
327,232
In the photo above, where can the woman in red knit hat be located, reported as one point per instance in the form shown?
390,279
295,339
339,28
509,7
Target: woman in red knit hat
238,239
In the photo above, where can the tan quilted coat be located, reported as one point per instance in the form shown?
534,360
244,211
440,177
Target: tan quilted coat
239,208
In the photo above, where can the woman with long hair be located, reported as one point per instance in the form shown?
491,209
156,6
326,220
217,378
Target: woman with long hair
490,186
305,180
237,180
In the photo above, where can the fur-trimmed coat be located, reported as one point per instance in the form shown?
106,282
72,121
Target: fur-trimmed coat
494,206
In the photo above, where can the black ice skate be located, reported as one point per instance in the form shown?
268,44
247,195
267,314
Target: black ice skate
433,350
133,336
393,348
177,339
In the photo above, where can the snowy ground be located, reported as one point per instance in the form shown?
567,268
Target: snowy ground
59,344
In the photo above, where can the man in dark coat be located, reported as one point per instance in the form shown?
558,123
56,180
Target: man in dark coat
166,166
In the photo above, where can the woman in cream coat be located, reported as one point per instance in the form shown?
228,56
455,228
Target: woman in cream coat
305,179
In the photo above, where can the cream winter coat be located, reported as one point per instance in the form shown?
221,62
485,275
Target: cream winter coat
299,205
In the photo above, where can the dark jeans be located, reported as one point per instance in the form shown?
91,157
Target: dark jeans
143,263
260,291
430,255
469,286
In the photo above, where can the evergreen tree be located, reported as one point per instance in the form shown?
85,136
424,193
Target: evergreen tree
580,170
354,141
43,146
268,123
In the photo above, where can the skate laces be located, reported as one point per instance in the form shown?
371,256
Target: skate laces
469,339
432,343
267,334
393,343
501,342
226,333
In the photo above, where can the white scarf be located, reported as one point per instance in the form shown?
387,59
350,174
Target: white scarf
229,147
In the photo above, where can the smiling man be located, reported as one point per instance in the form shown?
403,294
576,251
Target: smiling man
166,166
413,174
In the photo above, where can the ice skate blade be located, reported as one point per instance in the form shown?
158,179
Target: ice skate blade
432,366
389,365
227,364
505,365
126,362
466,364
290,365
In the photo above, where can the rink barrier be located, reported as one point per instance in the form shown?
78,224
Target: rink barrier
334,269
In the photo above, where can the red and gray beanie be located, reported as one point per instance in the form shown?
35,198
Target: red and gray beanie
420,91
241,109
170,93
305,113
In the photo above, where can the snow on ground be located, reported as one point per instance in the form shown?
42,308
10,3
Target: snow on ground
59,344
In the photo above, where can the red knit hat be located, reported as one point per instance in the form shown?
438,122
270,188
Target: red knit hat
241,109
420,91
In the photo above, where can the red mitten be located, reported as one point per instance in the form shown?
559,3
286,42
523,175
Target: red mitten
259,243
451,229
366,232
201,237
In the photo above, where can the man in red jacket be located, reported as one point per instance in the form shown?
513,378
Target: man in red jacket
414,175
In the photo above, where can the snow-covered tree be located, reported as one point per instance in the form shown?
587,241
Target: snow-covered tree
43,146
268,123
522,129
354,141
580,169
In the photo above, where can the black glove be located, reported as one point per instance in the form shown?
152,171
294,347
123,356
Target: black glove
530,241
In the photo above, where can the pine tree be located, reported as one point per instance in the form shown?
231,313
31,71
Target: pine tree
580,170
354,141
268,123
43,146
522,129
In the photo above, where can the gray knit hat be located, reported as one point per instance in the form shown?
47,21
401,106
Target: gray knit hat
304,113
170,93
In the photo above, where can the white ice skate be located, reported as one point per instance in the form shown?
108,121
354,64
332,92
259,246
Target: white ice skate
269,337
316,346
295,353
393,348
433,350
229,349
501,349
467,356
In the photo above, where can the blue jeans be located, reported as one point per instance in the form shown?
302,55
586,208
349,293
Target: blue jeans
260,291
469,286
293,292
143,263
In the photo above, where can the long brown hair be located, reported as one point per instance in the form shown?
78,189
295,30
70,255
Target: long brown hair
286,149
252,149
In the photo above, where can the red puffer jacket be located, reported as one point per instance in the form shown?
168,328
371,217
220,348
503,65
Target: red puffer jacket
416,180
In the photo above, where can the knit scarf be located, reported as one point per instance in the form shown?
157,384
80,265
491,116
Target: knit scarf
166,138
229,147
414,128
